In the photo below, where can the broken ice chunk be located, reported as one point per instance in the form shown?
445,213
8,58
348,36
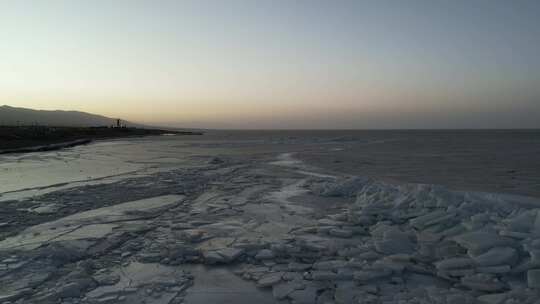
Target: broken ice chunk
497,256
533,278
478,242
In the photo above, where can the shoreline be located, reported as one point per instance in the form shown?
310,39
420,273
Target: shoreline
28,139
51,147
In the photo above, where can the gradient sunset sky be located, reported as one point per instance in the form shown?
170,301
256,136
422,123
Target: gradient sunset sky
277,64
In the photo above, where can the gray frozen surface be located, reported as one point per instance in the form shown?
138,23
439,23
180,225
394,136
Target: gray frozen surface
246,221
221,286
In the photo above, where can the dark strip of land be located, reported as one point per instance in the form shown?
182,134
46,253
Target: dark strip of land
18,139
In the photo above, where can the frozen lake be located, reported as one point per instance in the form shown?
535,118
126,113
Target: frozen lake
493,161
275,217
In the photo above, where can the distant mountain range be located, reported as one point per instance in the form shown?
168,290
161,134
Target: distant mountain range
11,116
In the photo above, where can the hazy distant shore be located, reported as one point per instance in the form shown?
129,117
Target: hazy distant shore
22,139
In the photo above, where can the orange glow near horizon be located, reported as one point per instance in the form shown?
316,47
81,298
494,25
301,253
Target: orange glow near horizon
266,64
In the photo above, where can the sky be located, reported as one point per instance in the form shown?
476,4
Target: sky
277,64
